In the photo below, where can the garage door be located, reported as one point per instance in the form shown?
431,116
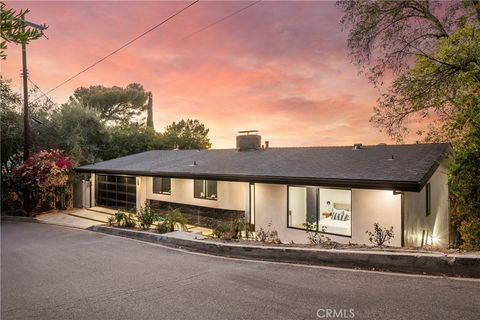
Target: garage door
116,191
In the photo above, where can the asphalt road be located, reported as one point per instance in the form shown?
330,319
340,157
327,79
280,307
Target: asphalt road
50,272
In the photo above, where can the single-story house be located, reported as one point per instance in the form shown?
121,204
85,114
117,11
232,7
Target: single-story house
340,191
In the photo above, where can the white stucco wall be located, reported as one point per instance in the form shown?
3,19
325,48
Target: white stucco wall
142,185
368,206
437,223
230,195
298,205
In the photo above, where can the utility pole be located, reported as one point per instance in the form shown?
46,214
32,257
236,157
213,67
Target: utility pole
27,127
27,143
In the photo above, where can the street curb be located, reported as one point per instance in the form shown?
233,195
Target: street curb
19,219
35,220
417,263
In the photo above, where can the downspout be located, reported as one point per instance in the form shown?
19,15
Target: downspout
402,217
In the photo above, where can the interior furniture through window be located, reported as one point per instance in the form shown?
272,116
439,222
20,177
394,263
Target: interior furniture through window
325,210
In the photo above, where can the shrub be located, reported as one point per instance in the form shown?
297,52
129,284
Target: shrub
270,235
129,221
316,237
312,233
470,232
118,217
47,175
146,217
379,236
121,219
221,230
111,221
237,227
172,219
233,230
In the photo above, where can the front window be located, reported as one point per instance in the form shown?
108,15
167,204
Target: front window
322,209
205,189
162,185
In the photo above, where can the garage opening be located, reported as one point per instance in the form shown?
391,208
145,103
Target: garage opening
116,192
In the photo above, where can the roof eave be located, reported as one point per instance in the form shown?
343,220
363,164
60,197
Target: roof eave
411,186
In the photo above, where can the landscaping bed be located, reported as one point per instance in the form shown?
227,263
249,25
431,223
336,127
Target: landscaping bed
352,246
437,263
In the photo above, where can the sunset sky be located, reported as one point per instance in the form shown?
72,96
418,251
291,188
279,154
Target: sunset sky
279,67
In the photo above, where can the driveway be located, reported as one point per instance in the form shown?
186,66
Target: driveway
51,272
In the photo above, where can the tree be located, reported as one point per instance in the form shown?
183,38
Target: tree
11,126
78,130
114,104
433,51
12,136
187,134
130,138
150,111
390,36
464,172
12,141
13,29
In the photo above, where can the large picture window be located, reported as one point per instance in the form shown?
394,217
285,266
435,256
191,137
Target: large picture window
162,185
322,209
205,189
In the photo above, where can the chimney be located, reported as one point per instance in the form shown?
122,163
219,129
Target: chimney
248,140
357,146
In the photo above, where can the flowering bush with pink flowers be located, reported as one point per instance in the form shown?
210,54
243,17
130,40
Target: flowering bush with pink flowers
46,174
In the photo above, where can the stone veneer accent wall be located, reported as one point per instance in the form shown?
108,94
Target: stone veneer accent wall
197,215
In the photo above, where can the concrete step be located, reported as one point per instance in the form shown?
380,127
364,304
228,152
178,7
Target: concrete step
91,215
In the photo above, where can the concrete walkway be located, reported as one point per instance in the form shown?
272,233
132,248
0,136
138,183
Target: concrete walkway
91,215
68,219
85,218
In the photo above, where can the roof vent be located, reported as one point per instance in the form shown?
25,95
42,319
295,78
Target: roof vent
248,140
357,146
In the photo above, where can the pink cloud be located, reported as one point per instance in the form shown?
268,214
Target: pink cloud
280,67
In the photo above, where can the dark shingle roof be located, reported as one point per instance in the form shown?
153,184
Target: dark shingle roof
369,167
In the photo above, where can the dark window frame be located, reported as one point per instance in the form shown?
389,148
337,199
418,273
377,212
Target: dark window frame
205,190
252,205
317,211
162,191
428,199
108,195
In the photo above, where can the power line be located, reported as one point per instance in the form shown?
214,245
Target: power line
151,29
120,48
43,93
220,20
